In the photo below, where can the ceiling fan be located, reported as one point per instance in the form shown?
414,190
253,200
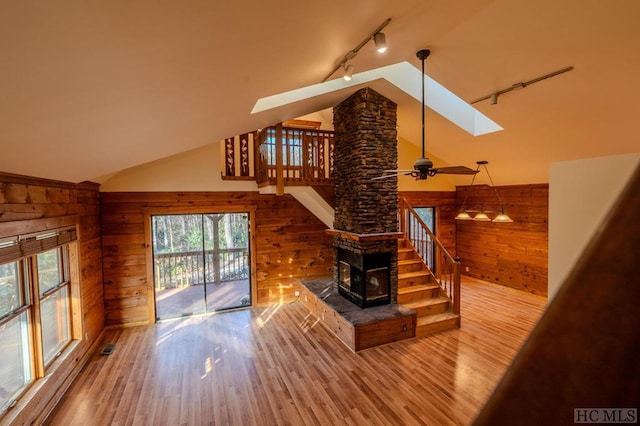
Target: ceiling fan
423,166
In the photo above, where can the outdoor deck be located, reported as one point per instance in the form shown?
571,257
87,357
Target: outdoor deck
189,300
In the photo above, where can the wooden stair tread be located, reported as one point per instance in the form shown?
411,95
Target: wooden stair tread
426,302
414,274
409,261
417,288
435,318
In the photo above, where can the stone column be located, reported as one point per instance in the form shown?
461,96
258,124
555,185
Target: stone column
366,144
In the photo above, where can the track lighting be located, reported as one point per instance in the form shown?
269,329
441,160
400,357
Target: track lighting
493,97
378,38
380,41
347,72
481,215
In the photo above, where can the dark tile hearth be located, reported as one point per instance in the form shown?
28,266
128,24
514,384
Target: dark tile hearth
327,291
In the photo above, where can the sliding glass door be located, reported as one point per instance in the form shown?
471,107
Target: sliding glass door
201,263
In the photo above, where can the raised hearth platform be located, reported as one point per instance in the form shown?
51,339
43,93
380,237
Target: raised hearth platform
357,328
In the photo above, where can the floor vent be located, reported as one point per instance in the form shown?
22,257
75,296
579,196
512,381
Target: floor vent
108,349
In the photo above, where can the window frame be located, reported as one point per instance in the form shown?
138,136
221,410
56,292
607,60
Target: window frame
24,252
65,283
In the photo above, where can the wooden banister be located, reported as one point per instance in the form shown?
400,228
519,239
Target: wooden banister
444,267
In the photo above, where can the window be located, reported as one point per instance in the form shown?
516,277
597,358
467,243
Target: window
16,370
35,309
54,302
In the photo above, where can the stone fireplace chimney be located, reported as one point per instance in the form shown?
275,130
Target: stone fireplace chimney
366,211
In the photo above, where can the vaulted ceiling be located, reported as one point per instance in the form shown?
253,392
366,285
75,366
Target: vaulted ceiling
88,89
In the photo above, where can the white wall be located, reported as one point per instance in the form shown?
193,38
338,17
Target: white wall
199,170
581,193
196,170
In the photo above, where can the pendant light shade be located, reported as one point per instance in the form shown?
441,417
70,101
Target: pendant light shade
482,217
463,215
503,218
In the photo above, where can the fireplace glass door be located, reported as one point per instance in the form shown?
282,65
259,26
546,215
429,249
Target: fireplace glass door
364,279
377,284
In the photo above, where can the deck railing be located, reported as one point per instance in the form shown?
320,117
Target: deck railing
445,268
183,269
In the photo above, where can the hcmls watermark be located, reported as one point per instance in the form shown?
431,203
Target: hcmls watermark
605,415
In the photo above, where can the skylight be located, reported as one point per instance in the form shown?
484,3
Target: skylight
404,76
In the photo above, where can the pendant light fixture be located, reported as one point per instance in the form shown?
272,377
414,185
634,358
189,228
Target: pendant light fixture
481,214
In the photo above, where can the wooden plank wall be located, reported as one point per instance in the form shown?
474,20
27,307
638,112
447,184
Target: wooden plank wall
28,203
290,244
445,204
512,254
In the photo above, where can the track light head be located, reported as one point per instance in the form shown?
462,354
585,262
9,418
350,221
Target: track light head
380,41
347,72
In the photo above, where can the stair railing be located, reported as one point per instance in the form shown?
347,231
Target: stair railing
444,267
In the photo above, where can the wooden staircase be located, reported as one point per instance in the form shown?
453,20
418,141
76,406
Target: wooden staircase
419,290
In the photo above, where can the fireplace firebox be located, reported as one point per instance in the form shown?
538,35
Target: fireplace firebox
364,279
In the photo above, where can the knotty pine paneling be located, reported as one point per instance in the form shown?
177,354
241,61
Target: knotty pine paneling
30,205
290,245
512,254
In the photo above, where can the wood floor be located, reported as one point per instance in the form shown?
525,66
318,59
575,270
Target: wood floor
277,366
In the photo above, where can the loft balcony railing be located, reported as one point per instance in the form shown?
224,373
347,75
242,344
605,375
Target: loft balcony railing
281,155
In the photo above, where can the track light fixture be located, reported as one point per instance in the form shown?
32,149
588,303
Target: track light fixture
347,72
481,214
493,97
378,38
380,41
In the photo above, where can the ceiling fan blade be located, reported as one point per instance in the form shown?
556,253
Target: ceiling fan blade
454,170
400,173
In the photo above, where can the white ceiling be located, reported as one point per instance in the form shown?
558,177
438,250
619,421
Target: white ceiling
88,89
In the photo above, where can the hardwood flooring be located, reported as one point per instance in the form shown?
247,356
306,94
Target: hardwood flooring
277,365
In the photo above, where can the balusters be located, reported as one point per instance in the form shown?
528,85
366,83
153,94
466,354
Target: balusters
305,155
445,268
